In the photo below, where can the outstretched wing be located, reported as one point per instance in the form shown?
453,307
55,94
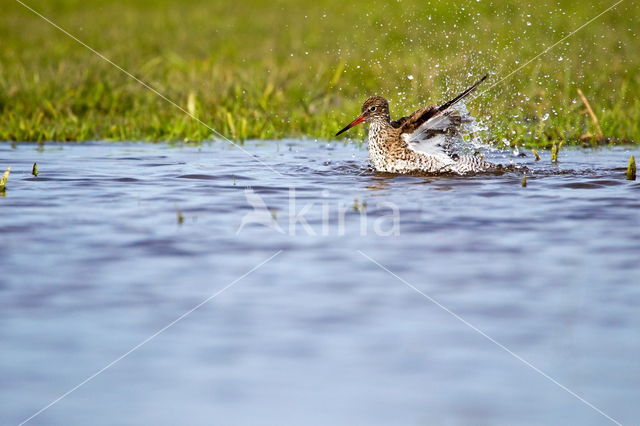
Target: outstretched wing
430,130
413,121
435,135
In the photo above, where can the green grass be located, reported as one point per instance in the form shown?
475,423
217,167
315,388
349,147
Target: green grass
4,179
631,169
284,68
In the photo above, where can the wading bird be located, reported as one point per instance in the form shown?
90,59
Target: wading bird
423,142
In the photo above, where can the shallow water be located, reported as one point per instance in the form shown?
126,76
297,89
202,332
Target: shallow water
94,261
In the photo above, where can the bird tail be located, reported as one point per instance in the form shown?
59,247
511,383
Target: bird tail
461,96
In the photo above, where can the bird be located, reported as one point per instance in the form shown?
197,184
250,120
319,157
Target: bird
423,142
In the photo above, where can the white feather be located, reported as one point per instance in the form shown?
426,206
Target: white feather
435,145
423,140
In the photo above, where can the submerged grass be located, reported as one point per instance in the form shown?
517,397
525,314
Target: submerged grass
283,68
631,168
555,151
3,180
179,216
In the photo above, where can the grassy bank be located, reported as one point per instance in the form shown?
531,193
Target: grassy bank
272,69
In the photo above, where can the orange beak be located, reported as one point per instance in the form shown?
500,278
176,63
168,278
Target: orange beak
353,123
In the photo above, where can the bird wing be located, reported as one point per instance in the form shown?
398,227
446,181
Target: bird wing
429,130
435,135
411,122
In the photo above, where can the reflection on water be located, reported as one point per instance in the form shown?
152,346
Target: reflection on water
94,261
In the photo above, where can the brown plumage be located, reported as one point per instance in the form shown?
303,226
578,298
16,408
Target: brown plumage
421,142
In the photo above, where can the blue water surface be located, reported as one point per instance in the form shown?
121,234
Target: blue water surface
383,300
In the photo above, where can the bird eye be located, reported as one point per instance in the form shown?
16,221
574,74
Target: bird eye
372,108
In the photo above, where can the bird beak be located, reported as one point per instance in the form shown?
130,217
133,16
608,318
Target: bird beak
353,123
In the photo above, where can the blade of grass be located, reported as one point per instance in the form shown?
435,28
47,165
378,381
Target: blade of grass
4,179
631,169
592,114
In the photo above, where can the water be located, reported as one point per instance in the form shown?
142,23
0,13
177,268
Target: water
94,262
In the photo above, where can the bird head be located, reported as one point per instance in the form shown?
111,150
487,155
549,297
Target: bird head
373,109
